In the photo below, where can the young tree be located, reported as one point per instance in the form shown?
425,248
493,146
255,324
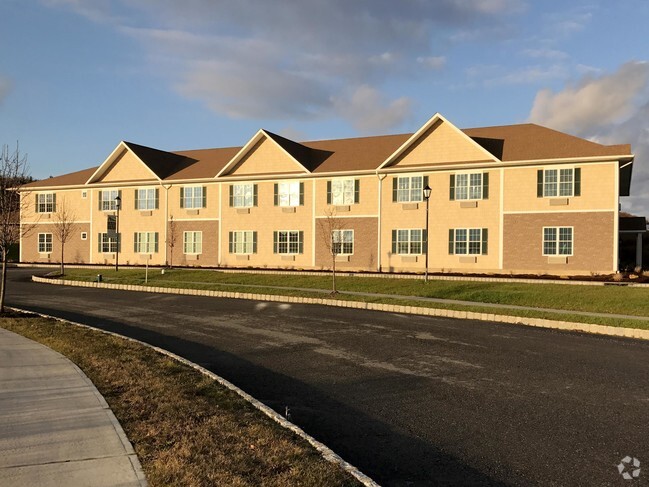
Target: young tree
330,228
13,173
172,238
64,227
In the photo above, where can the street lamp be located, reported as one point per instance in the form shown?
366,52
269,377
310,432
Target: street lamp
427,191
118,203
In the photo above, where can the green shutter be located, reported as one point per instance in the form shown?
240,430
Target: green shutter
54,202
231,195
328,192
425,183
155,236
157,198
485,186
357,190
451,241
275,194
577,181
100,194
136,201
182,197
485,240
539,183
424,241
204,203
135,242
231,242
254,195
301,193
300,242
274,242
451,189
394,241
99,242
395,189
254,242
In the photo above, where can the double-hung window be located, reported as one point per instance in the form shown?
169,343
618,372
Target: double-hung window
243,195
107,199
343,192
193,197
557,240
107,242
408,189
469,186
288,242
193,242
468,241
46,203
243,242
289,193
409,241
146,199
564,182
342,242
44,243
145,242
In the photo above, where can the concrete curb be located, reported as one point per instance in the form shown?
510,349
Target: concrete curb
391,308
324,450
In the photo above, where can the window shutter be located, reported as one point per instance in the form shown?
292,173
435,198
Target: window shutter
539,183
275,194
54,202
485,240
136,201
485,186
254,195
452,188
157,198
357,190
394,241
119,243
119,193
36,202
135,242
182,197
99,200
99,239
425,183
424,241
301,193
451,241
204,203
231,242
300,242
394,189
577,181
254,242
328,192
275,241
156,242
231,195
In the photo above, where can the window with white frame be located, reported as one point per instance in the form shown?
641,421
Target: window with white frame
408,189
44,243
288,242
243,242
193,197
146,199
193,242
557,240
343,191
408,241
342,242
84,235
145,242
468,241
469,186
242,195
46,203
559,182
108,242
107,199
288,193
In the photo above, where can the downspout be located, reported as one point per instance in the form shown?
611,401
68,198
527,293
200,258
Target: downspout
380,177
166,187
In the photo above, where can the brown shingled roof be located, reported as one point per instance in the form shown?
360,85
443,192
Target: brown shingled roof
204,163
162,163
71,179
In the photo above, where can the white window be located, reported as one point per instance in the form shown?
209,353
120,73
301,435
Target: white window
342,242
193,242
84,236
468,241
557,240
343,191
44,243
146,199
468,186
408,189
107,199
289,193
192,197
243,242
242,196
46,203
288,242
145,242
108,242
408,241
558,182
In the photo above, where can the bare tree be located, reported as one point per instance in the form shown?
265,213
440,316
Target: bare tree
172,239
332,237
13,173
64,227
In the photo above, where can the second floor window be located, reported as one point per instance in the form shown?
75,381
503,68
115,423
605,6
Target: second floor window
289,193
469,186
146,199
46,203
243,195
193,197
342,242
342,192
145,242
408,241
408,189
558,182
107,199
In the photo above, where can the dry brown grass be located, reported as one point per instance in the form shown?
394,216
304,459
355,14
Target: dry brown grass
185,428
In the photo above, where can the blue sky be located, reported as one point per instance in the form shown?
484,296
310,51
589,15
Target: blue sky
78,76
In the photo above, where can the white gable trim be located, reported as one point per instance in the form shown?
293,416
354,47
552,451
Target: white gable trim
247,148
103,169
433,120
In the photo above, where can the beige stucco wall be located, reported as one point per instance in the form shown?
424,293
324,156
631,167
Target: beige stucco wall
368,198
265,157
70,199
127,167
180,214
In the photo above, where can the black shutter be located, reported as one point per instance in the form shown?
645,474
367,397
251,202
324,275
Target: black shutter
54,202
425,183
539,183
451,241
157,198
485,186
274,242
357,190
156,242
424,241
135,242
301,193
300,241
99,241
254,195
276,194
254,242
395,189
577,181
204,203
231,196
394,241
100,193
328,192
231,242
485,240
182,197
136,201
452,188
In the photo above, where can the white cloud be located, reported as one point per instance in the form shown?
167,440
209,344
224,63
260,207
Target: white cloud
370,112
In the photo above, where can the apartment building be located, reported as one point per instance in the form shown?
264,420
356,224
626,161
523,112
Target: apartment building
507,199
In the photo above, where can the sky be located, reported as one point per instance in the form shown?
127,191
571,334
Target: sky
79,76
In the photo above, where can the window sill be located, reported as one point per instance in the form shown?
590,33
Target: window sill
192,212
559,201
243,211
557,259
468,259
409,258
288,209
468,204
410,206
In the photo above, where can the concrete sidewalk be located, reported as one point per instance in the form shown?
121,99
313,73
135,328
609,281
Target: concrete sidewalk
55,427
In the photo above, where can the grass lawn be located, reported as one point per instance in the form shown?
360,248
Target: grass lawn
186,429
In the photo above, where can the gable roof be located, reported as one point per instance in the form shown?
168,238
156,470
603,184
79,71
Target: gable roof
161,163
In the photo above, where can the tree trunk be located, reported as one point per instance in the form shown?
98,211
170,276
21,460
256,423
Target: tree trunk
333,275
3,285
62,266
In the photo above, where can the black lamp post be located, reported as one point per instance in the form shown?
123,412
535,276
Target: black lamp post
118,203
427,191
